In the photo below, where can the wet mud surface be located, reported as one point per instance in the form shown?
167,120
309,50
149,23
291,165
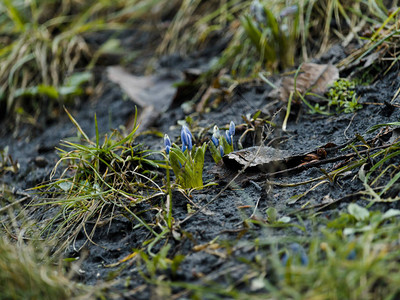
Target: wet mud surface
233,219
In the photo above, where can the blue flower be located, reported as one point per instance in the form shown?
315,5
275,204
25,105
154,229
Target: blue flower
290,10
167,143
215,140
258,12
216,131
352,255
296,252
232,128
186,137
228,137
221,150
184,148
189,144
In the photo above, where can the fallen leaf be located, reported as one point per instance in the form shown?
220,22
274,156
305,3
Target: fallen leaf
312,78
153,94
156,90
266,159
270,160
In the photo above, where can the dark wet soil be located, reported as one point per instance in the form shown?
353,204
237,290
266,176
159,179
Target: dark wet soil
226,218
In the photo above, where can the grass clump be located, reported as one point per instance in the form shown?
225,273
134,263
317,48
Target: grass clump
27,272
44,43
100,180
274,37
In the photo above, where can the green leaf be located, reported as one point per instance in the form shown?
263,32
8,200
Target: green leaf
391,213
284,219
227,147
256,115
40,90
48,90
360,213
15,15
65,185
214,152
199,165
77,79
272,214
375,127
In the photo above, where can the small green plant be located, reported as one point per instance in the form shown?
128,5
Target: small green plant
186,162
221,144
342,97
274,37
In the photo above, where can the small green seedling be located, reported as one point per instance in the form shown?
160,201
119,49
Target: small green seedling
186,162
221,144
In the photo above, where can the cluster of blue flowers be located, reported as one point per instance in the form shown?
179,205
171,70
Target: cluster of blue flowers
186,137
187,162
228,137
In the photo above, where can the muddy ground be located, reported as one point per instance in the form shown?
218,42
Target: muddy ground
226,220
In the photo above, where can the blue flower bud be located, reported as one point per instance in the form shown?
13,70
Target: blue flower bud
284,259
304,258
216,131
184,136
186,130
228,137
290,10
258,12
352,255
232,128
297,252
167,143
221,150
184,147
215,140
189,144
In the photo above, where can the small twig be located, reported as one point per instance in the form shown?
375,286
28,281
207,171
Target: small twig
348,126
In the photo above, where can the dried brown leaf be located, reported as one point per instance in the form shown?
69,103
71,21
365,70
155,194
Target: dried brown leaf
312,77
155,90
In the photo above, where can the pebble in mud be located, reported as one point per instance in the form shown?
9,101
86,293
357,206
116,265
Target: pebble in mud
41,161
